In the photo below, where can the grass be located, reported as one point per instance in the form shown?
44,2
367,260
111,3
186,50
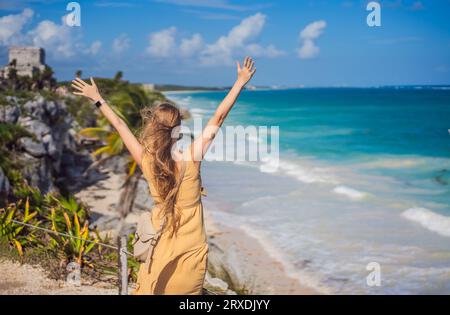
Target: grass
63,215
35,257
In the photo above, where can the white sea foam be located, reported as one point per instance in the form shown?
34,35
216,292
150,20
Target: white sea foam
445,88
303,173
198,112
394,163
303,277
428,219
256,201
351,193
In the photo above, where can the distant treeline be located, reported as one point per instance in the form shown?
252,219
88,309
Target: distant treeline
172,87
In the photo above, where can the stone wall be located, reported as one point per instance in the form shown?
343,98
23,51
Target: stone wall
28,60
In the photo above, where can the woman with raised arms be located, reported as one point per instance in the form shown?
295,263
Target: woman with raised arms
179,259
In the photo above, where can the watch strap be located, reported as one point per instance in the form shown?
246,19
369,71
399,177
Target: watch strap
100,103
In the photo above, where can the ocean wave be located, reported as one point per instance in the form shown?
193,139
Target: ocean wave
394,163
257,201
183,101
198,112
310,279
300,172
428,219
306,278
351,193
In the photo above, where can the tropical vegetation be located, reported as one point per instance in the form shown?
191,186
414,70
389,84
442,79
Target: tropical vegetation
57,224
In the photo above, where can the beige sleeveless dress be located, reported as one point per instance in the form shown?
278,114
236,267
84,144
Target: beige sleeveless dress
179,262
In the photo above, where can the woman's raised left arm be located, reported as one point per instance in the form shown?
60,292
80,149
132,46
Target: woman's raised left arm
91,92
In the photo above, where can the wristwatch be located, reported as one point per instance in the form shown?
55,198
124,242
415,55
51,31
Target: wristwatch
100,103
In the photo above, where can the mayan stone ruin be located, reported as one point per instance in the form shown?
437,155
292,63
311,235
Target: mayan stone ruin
27,59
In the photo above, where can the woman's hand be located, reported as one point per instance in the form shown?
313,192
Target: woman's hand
87,90
246,72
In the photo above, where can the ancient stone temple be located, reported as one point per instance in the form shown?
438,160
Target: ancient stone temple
27,60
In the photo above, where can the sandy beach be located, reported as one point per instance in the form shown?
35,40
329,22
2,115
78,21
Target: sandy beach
25,279
249,263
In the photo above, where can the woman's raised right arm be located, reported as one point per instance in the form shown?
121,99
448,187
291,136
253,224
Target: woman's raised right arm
201,144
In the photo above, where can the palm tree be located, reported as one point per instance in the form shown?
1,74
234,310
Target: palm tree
118,76
47,77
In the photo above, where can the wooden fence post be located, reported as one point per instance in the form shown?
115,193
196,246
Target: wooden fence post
123,266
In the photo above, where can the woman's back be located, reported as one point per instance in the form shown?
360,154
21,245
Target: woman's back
187,248
189,193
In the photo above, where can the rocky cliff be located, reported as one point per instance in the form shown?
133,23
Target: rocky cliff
50,152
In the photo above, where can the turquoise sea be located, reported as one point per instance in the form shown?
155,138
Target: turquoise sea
364,177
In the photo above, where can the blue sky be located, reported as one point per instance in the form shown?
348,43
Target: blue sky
194,42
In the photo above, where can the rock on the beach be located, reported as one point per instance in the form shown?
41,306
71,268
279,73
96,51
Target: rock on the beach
216,282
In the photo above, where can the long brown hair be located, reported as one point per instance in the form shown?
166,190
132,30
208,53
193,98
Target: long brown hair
157,139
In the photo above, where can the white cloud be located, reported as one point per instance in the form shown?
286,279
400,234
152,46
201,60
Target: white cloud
191,46
121,44
240,40
58,40
313,30
94,48
11,27
162,43
256,50
54,38
308,50
308,35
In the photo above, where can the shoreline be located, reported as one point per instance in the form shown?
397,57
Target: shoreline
226,241
190,91
331,215
237,261
248,263
236,258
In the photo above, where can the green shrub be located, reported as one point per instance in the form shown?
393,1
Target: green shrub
16,234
